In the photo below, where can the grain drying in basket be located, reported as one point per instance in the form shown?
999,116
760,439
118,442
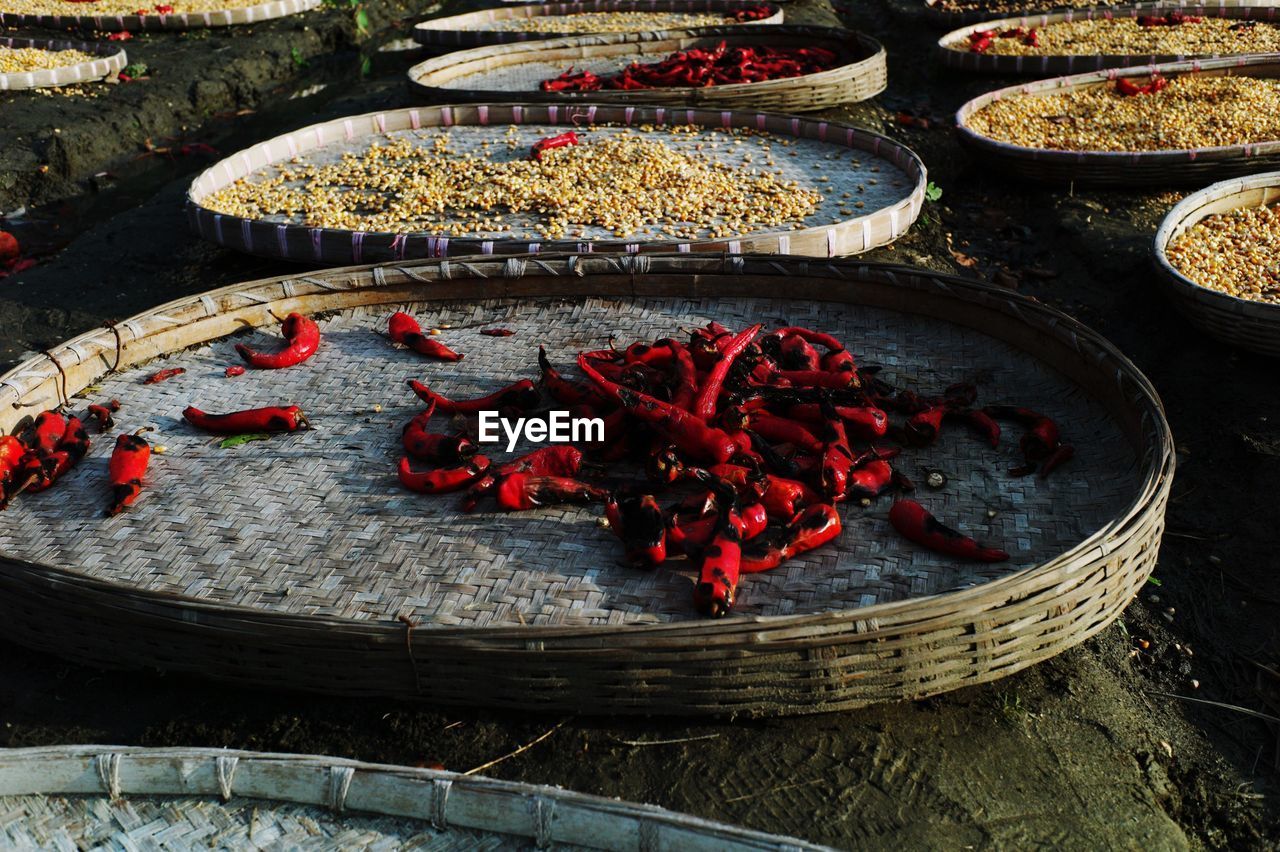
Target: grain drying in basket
1171,34
1237,253
21,60
119,8
610,22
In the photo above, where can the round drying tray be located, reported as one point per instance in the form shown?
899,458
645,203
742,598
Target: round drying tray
954,52
833,157
108,797
983,11
111,59
301,563
1240,322
487,73
475,29
1123,168
178,21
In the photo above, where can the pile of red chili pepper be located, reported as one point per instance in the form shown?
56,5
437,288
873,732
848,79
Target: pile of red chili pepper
1128,88
752,13
981,40
1173,19
751,437
698,67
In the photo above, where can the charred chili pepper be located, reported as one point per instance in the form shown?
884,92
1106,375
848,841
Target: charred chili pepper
45,433
433,446
102,414
638,521
810,529
558,460
519,396
565,391
1128,88
563,140
1039,443
709,394
405,330
496,332
442,480
796,353
522,491
720,562
233,371
980,422
915,524
272,419
128,465
837,458
163,375
303,337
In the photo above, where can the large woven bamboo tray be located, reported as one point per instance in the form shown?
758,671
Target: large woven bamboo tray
475,29
489,73
1123,168
1240,322
111,60
954,52
950,19
218,18
109,797
301,563
892,203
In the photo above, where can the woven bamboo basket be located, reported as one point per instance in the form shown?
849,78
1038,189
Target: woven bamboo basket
99,797
476,29
891,209
1240,322
950,19
253,14
111,60
300,562
1123,168
954,52
489,73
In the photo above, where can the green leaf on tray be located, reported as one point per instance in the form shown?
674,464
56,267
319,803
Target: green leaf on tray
237,440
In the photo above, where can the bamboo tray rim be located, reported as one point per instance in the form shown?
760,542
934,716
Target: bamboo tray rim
358,788
1070,82
847,38
255,13
110,59
1154,454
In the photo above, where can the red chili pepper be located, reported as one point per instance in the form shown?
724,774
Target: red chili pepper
817,338
796,353
981,422
817,378
563,390
164,10
979,45
866,422
923,427
128,465
102,414
120,36
496,332
557,460
163,375
562,141
915,523
709,394
404,329
639,523
233,371
303,337
518,396
46,432
812,528
837,458
685,375
522,491
1041,438
442,480
272,419
12,453
48,468
780,430
870,480
9,248
1063,454
719,567
434,447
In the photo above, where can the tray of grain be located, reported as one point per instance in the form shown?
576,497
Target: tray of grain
1218,250
1074,41
105,797
118,15
557,20
335,193
279,562
1180,123
27,63
826,67
948,14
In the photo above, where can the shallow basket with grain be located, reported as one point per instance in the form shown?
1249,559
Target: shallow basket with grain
475,29
106,797
301,563
115,23
1123,168
953,50
827,235
948,19
110,60
1240,322
489,73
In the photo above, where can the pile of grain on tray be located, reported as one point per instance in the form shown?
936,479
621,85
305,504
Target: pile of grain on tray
1008,8
112,8
1237,253
609,22
1192,112
19,60
1127,37
621,181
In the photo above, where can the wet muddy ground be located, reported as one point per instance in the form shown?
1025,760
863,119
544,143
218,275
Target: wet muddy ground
1080,752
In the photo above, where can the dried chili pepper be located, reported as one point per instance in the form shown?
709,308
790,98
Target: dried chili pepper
981,422
1128,88
442,480
405,330
102,414
163,375
233,371
700,67
1041,441
496,332
129,461
704,405
915,523
563,460
796,353
563,140
44,469
837,458
433,446
721,560
563,390
752,13
523,491
519,396
810,529
271,419
638,521
303,339
44,434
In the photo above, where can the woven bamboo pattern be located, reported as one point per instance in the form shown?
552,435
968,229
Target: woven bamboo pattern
112,60
953,48
1123,168
539,613
474,29
135,23
1240,322
891,210
81,797
486,73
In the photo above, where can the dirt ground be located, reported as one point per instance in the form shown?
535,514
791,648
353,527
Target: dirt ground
1080,752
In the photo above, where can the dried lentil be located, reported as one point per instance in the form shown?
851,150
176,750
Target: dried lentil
1237,253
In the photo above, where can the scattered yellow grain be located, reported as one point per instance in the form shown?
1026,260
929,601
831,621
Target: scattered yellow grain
19,60
1237,253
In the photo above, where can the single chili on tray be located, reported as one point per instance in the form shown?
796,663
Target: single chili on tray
303,337
915,523
128,465
404,329
271,419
